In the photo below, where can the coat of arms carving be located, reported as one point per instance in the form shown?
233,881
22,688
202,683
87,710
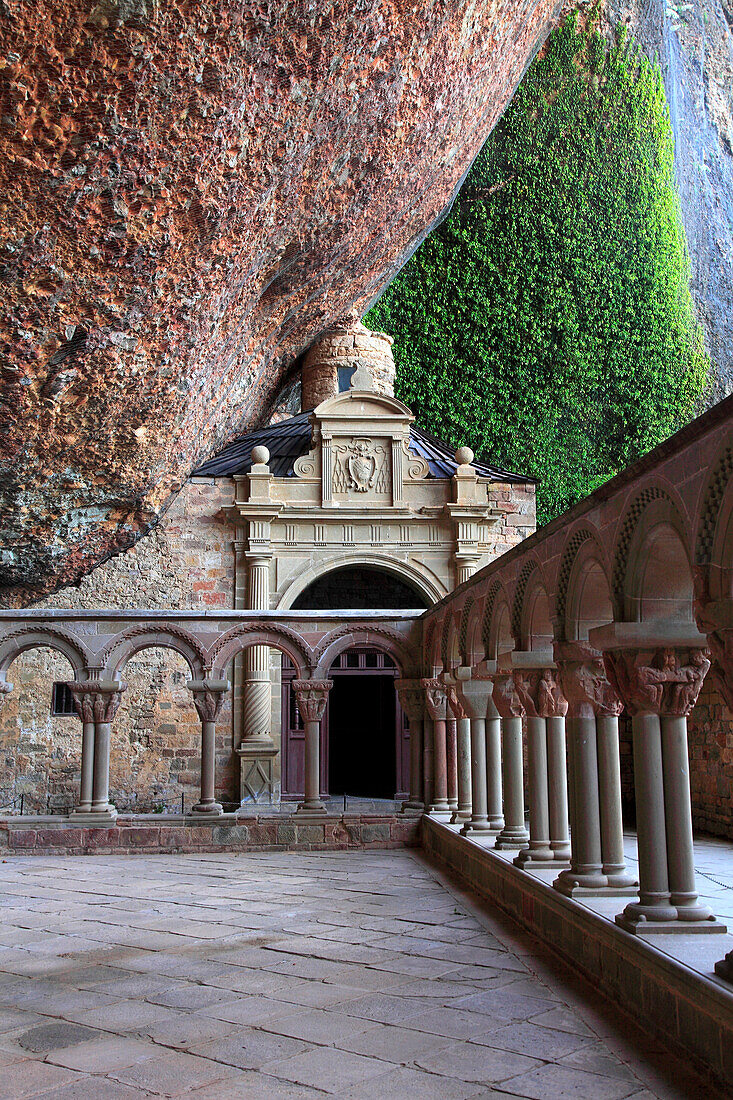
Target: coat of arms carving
359,467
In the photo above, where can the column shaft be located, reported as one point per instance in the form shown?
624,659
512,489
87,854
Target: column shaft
86,785
451,748
428,778
416,741
100,792
539,814
609,791
557,788
586,852
463,755
494,793
312,801
440,766
680,857
479,822
514,834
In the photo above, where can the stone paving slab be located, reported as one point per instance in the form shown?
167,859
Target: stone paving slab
292,976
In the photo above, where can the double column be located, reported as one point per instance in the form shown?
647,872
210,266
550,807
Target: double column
436,704
545,707
597,862
659,684
509,707
208,696
412,700
485,747
459,736
311,697
96,703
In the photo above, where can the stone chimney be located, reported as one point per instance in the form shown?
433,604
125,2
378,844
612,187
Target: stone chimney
330,363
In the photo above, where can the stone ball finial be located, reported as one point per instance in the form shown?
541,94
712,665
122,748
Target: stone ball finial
260,456
464,456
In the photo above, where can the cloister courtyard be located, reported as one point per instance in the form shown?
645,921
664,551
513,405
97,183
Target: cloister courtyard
288,976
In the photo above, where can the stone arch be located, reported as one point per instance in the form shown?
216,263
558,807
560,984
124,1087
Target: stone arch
652,575
43,637
449,652
501,635
273,635
537,630
430,642
530,578
583,589
714,533
486,620
164,635
423,581
465,634
372,635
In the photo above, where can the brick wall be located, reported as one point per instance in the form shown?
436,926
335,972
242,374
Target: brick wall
710,728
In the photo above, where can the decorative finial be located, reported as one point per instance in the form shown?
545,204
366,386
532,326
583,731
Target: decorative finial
260,456
464,456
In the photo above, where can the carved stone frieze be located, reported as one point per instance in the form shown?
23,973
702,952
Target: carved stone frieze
312,696
584,682
540,693
665,682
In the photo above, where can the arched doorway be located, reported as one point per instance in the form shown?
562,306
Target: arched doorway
365,740
360,588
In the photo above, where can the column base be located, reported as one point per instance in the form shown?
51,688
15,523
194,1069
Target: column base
512,840
724,968
642,927
94,817
439,808
540,859
459,817
592,886
479,828
413,809
307,810
206,809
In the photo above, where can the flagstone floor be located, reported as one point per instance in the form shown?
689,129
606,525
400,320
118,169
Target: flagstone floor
278,976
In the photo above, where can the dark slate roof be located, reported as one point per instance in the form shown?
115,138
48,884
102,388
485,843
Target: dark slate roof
291,438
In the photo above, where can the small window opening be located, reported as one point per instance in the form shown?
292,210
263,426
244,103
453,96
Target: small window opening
345,375
62,701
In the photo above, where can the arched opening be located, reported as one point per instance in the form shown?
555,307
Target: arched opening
365,741
589,600
665,588
539,624
40,738
360,588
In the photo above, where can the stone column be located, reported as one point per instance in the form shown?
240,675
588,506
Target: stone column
256,750
514,833
436,705
475,696
451,752
428,738
597,861
545,707
412,701
659,687
208,695
96,701
312,696
83,704
462,812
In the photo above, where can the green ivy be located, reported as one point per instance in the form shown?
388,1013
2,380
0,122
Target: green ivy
547,322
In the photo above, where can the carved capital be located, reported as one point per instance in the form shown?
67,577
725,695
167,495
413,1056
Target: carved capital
435,699
584,681
412,698
97,700
455,704
539,692
506,699
312,696
664,681
721,648
475,695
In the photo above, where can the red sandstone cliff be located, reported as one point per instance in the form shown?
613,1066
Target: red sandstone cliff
189,192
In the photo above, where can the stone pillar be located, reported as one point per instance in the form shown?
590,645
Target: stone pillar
545,707
659,687
436,705
312,696
597,861
208,695
412,701
475,696
96,702
462,811
514,833
256,750
83,704
428,737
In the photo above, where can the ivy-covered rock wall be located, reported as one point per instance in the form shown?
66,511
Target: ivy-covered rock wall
548,321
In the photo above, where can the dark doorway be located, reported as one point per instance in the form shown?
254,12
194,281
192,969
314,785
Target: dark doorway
361,737
365,738
359,588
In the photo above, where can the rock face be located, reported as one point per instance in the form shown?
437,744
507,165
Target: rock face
189,193
694,44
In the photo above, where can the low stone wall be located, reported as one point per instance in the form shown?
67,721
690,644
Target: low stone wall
258,833
684,1008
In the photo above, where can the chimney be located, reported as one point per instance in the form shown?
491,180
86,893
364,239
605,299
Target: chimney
330,363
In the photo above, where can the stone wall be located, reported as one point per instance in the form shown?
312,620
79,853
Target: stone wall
186,562
710,731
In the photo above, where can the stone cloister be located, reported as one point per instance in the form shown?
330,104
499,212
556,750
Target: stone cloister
517,685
